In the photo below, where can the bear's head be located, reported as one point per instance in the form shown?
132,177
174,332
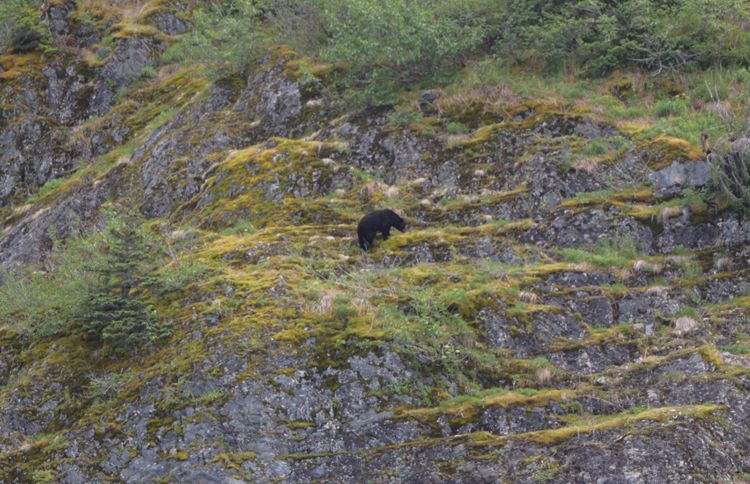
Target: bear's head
397,221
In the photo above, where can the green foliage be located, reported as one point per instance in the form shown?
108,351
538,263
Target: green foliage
42,304
389,44
456,127
739,348
610,253
429,332
48,187
239,228
114,313
106,386
386,46
602,36
688,311
226,35
671,107
178,276
92,284
403,116
343,309
296,23
148,73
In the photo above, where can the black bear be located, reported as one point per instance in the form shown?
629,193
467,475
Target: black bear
379,220
25,40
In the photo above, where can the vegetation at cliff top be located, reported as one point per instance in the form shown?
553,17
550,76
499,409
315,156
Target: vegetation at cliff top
384,46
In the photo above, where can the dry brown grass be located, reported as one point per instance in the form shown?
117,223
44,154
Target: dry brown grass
485,99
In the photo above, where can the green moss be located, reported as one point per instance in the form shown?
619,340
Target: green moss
233,460
180,455
609,254
467,408
582,425
662,151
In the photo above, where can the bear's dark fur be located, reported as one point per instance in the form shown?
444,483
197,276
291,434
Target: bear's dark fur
378,221
25,40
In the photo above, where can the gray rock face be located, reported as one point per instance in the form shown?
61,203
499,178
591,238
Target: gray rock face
689,174
275,393
127,61
57,18
597,311
28,241
590,228
26,164
169,23
35,128
274,101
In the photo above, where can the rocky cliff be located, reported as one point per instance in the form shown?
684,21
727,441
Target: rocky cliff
550,314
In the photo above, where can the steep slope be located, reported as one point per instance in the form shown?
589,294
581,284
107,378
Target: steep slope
550,314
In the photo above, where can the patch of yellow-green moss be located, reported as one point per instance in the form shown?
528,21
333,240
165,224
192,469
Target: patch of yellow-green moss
661,151
233,460
17,65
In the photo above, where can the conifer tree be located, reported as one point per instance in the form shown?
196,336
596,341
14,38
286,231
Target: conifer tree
114,314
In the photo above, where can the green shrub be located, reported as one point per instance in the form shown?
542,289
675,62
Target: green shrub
343,309
41,304
609,253
178,276
455,127
403,116
387,45
48,187
226,34
239,228
429,332
671,107
601,36
739,348
148,73
296,23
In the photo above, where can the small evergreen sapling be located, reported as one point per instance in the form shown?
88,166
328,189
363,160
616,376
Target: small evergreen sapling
115,315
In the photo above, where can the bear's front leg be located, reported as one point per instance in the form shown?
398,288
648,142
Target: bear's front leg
386,233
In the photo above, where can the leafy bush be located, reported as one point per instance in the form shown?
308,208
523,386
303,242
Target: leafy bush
609,253
429,332
386,46
671,107
179,276
601,36
389,44
456,127
226,35
296,23
403,116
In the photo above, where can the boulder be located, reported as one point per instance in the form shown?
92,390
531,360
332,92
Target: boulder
675,177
